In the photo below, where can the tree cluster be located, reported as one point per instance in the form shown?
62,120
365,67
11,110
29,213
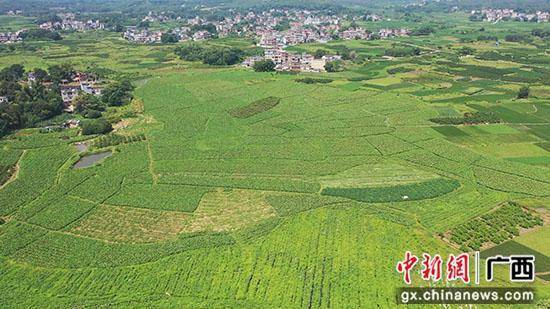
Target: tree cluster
169,38
423,30
115,94
402,51
523,92
333,66
27,104
469,118
211,55
96,126
41,34
264,66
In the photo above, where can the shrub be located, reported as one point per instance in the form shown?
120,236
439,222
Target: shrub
402,51
91,113
320,53
333,66
264,66
309,80
465,50
399,70
168,38
423,30
96,126
516,38
523,92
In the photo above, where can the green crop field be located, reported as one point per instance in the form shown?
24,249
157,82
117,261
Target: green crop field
227,187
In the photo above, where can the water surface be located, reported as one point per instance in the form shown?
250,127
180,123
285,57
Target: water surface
92,159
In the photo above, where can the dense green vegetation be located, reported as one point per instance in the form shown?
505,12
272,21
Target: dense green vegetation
405,192
96,126
5,173
115,139
255,107
310,80
28,104
495,227
469,118
228,187
542,261
211,55
264,66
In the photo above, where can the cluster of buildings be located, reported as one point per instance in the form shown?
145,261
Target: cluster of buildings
389,33
156,17
281,39
69,89
79,83
145,36
11,37
68,22
355,34
287,61
495,15
275,28
14,12
136,35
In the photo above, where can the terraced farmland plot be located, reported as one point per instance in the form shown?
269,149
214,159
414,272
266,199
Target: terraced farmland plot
386,182
127,224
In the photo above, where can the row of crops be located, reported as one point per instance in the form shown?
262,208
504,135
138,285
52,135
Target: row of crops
300,264
255,107
116,139
405,192
494,227
37,171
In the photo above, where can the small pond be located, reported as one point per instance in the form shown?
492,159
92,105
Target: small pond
92,159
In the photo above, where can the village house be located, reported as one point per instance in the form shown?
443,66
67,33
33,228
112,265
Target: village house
69,23
286,61
4,100
135,35
11,37
201,35
250,61
388,33
496,15
355,34
80,83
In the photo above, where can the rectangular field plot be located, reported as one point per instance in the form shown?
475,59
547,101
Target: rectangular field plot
228,210
62,212
542,261
536,240
504,150
17,235
377,174
451,131
162,197
127,224
541,161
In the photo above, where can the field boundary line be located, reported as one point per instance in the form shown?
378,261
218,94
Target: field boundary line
15,174
151,168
